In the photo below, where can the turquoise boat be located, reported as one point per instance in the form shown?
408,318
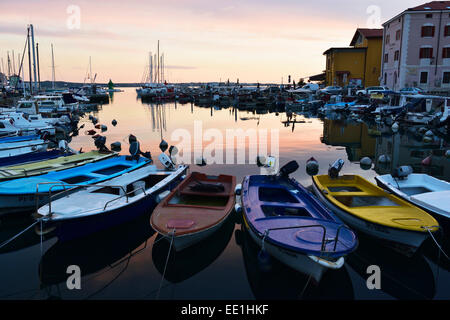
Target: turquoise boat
20,195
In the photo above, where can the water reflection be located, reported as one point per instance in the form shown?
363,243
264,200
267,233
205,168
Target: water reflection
96,252
184,264
401,277
279,282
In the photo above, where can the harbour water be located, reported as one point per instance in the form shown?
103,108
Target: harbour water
127,262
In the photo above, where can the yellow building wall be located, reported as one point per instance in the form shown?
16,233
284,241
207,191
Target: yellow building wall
344,61
373,63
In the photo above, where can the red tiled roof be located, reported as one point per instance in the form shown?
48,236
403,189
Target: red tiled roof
433,5
367,33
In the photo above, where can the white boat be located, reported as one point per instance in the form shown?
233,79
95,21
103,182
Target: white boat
118,200
9,149
7,128
26,125
422,190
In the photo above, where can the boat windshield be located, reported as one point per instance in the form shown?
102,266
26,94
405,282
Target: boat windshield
366,201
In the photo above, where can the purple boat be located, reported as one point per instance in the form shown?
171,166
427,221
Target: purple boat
290,224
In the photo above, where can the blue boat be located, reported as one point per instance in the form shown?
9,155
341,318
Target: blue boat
101,206
288,222
19,195
20,138
33,157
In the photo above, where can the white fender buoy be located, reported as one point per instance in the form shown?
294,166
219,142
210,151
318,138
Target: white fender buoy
384,158
365,163
395,127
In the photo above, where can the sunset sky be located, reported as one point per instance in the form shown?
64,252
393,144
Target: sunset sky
253,40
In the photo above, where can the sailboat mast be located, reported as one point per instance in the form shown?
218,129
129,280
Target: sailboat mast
150,67
158,63
29,62
34,56
53,69
39,71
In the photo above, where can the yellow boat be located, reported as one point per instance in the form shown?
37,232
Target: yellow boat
370,209
61,163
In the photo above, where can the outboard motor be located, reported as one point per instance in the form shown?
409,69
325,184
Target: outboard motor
135,150
335,168
100,143
402,172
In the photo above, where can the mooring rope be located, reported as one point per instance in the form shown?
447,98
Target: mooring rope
435,241
165,266
20,233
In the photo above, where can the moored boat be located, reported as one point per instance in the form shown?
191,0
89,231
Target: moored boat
293,226
195,209
25,194
369,209
46,166
107,204
10,149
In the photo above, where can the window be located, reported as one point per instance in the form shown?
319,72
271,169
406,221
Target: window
427,31
447,31
386,58
428,16
396,54
446,77
424,77
388,38
426,53
445,53
385,78
397,35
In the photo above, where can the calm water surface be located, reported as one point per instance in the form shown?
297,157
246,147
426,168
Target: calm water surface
127,262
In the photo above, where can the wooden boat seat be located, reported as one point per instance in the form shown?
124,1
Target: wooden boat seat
187,191
179,224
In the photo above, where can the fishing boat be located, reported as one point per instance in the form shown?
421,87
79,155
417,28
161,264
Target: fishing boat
422,190
9,149
33,157
369,209
107,204
25,194
293,226
195,209
50,165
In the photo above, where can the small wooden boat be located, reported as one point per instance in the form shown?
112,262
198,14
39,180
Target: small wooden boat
26,194
111,203
421,190
195,209
46,166
293,226
369,209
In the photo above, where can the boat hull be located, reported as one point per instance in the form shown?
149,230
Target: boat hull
306,264
184,241
409,241
77,227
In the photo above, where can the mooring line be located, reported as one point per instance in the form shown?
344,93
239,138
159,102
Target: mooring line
20,233
165,266
435,241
